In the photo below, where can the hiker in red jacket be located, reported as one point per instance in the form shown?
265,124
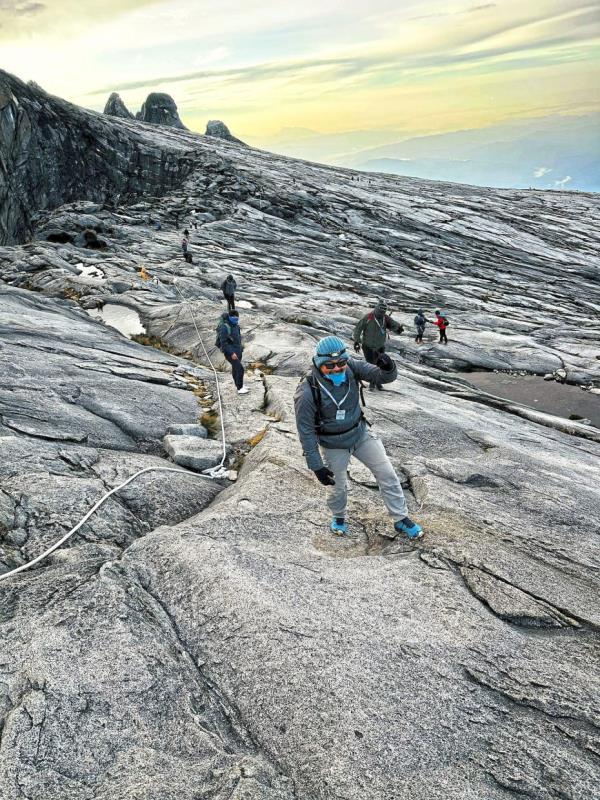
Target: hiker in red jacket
442,323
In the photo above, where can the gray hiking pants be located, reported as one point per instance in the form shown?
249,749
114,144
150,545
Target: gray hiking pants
370,451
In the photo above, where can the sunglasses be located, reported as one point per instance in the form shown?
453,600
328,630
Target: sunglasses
340,363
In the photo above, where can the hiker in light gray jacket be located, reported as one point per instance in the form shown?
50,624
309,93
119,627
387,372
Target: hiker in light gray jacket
332,428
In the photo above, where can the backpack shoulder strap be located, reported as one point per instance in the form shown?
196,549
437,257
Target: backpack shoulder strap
315,390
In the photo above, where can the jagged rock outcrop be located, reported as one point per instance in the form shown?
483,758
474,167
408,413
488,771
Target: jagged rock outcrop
211,639
160,109
115,107
54,152
215,127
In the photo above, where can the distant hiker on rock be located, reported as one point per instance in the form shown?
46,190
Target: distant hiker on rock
371,333
228,288
442,323
185,245
420,322
229,342
186,233
329,416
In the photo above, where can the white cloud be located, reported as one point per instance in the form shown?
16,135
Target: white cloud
541,171
563,182
215,55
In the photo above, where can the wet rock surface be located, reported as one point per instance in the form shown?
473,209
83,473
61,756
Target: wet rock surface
207,639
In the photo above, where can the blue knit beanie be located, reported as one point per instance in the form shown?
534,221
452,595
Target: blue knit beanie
329,347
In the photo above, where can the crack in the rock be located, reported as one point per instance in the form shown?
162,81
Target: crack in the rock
583,623
233,736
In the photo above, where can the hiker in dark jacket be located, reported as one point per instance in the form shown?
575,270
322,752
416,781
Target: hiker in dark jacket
228,288
229,339
442,323
420,322
185,245
332,428
371,333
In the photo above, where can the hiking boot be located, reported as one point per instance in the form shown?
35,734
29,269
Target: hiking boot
410,528
243,390
338,526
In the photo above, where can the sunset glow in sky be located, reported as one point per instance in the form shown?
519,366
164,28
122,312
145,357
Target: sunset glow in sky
416,66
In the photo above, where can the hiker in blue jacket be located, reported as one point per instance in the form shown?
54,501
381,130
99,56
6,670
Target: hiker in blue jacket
229,341
420,322
332,428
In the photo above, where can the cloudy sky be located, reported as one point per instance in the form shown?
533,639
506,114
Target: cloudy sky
382,67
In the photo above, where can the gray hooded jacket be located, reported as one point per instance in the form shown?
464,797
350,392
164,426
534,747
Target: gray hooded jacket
228,287
335,434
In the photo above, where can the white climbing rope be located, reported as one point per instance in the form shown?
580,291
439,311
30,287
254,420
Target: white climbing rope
220,470
213,472
84,519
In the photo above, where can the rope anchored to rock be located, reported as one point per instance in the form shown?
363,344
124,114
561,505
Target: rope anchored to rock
219,471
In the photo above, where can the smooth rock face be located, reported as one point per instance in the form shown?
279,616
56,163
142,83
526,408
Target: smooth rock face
160,109
188,430
115,107
193,452
213,639
215,127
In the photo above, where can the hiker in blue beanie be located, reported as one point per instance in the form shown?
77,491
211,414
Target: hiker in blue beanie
332,428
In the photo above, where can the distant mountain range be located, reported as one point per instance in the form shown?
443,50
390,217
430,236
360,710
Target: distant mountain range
553,152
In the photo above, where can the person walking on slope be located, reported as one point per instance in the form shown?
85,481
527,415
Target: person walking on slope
185,243
229,342
442,323
371,332
420,322
228,288
332,428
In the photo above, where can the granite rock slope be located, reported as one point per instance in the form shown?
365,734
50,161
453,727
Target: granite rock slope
211,639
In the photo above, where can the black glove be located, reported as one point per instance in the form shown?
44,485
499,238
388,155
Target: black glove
401,329
357,347
385,363
325,476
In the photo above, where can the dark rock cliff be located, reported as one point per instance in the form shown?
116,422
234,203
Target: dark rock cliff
52,152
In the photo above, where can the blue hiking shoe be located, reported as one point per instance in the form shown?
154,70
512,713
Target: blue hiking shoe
410,528
338,526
